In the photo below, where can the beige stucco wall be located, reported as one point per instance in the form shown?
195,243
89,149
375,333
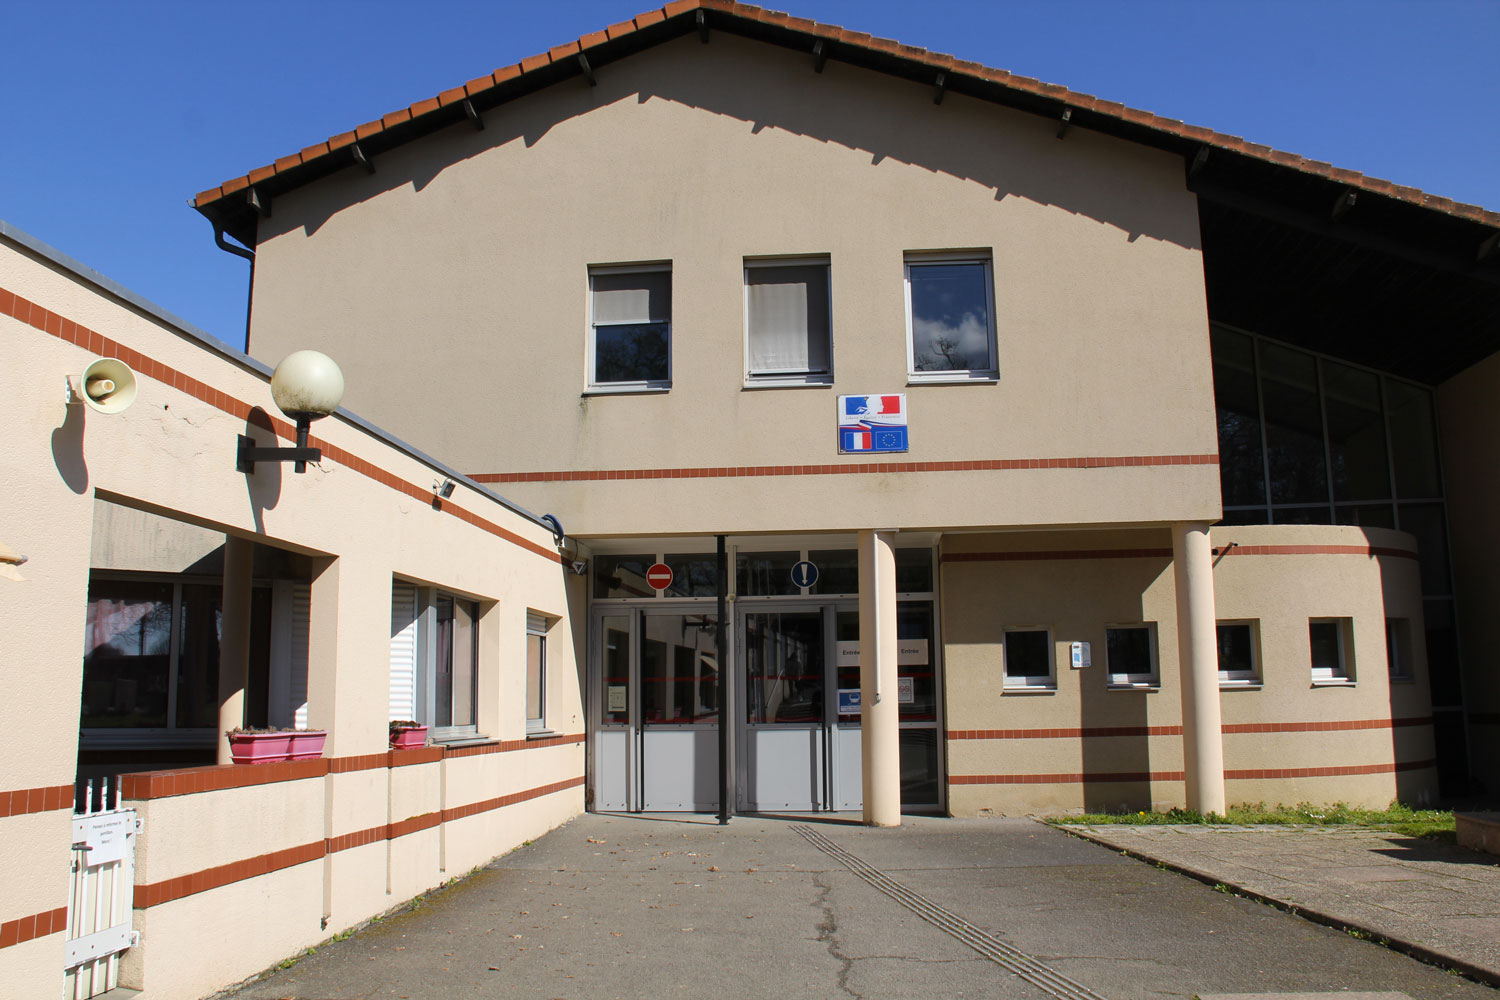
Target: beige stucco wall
172,453
452,284
1077,598
1471,473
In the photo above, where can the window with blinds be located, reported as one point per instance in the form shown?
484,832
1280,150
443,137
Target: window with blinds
630,332
788,329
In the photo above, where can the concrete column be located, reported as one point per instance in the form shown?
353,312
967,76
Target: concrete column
880,742
1198,659
234,637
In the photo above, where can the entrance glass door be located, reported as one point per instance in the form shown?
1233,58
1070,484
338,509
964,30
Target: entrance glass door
657,744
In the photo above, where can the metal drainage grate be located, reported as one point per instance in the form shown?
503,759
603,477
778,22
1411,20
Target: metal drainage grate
991,947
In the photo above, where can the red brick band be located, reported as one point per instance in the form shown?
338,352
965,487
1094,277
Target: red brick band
1247,774
170,889
846,469
37,925
1096,732
1047,555
215,777
35,800
30,313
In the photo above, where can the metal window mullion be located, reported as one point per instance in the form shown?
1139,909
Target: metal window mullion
1260,418
1323,420
174,655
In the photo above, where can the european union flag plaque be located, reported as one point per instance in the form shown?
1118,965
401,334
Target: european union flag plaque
872,424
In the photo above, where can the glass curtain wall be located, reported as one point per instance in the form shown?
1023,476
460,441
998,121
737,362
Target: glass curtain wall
1309,439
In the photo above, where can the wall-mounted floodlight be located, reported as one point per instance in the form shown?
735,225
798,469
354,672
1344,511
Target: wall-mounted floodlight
306,386
107,385
444,487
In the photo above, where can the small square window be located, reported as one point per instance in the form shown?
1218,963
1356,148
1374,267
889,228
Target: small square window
1029,663
630,327
1330,659
1239,654
950,331
788,330
536,673
1130,651
1398,650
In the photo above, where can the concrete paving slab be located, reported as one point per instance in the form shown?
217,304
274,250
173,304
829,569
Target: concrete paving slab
610,906
1432,900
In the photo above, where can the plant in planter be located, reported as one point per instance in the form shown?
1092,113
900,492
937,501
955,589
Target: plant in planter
248,745
307,744
406,734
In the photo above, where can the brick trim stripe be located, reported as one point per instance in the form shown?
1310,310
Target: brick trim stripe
1247,774
731,472
1315,550
171,889
475,808
24,929
59,326
215,777
1049,555
24,801
1237,550
510,746
1237,728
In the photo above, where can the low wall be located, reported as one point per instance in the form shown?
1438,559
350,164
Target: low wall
301,850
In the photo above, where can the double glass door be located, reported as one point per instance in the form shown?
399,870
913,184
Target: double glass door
796,745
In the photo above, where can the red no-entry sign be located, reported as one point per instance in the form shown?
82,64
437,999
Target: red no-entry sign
659,576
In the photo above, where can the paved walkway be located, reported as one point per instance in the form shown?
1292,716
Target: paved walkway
611,906
1438,902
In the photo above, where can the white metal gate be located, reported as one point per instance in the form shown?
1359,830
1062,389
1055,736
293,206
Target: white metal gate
101,888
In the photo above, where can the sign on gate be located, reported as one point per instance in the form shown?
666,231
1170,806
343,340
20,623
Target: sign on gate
101,894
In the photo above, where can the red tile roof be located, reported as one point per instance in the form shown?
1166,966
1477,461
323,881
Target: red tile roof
726,13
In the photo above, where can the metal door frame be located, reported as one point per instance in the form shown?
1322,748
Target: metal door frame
827,727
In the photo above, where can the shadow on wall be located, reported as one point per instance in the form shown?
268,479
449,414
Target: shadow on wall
1116,723
264,485
1413,683
770,89
67,450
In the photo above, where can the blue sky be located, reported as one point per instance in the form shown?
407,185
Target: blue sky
115,114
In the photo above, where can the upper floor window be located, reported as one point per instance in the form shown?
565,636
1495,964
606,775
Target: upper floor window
950,317
788,331
630,327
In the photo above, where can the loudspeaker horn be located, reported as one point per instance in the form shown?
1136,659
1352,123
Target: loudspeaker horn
107,385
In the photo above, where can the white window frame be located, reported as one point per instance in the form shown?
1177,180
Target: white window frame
537,625
1342,674
640,385
1123,679
426,680
1022,683
1241,678
786,377
991,372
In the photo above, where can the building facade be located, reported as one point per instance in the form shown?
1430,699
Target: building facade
631,280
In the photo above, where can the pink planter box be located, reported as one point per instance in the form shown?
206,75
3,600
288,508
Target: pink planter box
259,748
409,739
308,745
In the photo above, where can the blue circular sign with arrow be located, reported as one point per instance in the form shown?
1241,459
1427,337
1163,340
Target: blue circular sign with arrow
804,574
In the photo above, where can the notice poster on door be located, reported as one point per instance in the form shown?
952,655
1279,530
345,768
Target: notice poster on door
906,691
618,698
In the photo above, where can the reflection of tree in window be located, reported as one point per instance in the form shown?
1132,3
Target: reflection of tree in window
1294,426
949,317
1241,470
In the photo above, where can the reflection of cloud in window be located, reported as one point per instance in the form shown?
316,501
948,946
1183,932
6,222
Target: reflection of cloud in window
941,344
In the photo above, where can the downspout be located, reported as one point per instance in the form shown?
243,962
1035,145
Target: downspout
249,255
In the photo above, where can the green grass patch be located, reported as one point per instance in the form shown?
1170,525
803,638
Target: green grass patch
1433,824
